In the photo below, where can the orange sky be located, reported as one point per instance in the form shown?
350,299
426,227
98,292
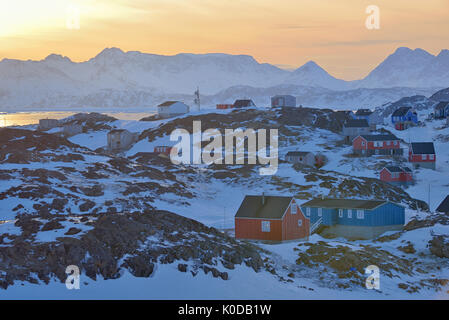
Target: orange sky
282,32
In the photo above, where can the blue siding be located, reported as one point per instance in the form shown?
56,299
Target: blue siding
409,116
387,214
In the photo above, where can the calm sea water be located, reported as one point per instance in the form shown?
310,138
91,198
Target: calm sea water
26,118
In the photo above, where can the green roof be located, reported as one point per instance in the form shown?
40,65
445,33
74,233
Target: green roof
344,203
273,207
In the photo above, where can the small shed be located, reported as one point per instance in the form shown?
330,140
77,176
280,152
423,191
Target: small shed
395,175
271,218
303,157
71,129
47,124
283,101
121,139
244,103
422,154
224,106
170,109
164,150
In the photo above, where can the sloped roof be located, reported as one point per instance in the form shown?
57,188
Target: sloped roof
344,203
423,148
243,103
398,169
297,153
167,103
363,112
444,205
274,207
402,111
356,123
379,137
441,105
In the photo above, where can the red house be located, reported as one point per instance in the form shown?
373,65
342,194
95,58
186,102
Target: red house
377,144
396,175
422,154
273,218
165,150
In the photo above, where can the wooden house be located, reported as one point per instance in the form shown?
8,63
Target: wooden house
395,175
404,117
353,128
223,106
170,109
441,110
283,101
47,124
353,218
377,144
270,218
422,154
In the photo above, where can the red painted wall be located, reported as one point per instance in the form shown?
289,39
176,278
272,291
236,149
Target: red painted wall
252,229
385,175
357,144
291,228
418,158
285,229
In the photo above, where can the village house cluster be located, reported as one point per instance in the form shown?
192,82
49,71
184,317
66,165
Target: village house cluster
281,218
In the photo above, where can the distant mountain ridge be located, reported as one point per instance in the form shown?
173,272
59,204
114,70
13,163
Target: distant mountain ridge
121,79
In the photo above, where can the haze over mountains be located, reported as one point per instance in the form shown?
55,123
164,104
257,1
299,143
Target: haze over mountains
115,78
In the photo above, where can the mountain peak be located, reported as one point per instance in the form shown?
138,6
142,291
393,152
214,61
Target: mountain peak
57,57
111,52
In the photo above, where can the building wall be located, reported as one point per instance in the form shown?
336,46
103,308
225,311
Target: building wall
252,229
358,232
175,109
45,124
283,101
385,175
388,214
291,229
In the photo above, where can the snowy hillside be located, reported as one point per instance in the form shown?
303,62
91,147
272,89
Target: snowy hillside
141,227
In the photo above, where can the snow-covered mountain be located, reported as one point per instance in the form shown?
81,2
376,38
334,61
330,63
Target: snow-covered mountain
409,68
115,78
311,74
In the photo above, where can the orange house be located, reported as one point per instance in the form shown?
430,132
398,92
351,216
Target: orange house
272,218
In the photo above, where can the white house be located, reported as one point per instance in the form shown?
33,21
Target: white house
171,109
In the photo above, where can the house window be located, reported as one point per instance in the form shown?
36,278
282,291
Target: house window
349,213
299,223
308,212
360,214
293,210
431,157
320,212
424,156
265,226
340,213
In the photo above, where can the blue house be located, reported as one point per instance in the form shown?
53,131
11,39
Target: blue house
404,117
442,110
353,219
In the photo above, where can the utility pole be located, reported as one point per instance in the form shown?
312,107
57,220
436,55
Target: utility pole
428,202
224,219
197,100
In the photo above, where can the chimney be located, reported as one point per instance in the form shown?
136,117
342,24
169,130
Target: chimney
263,198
